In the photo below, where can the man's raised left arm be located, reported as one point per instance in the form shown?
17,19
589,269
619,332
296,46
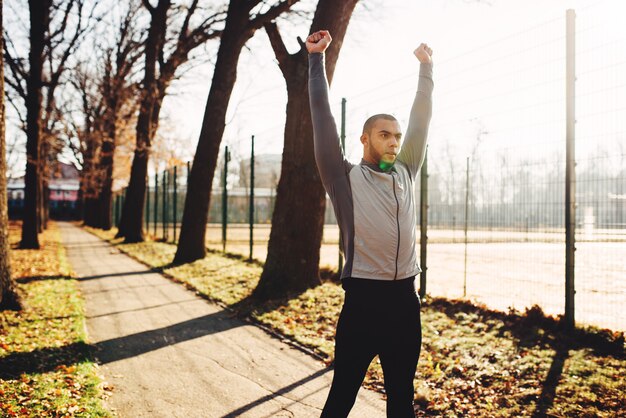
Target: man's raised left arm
414,144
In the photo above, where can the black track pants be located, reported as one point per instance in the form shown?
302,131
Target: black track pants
378,317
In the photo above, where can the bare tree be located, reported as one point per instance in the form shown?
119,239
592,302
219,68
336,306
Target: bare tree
39,17
293,253
56,28
118,91
94,129
159,72
9,298
244,18
88,135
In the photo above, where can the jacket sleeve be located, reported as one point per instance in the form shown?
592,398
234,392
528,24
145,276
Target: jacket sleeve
330,160
414,146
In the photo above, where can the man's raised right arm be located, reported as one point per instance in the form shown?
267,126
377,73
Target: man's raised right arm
328,155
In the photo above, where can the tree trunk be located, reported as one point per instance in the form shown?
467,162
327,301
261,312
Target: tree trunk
39,15
105,196
44,202
293,253
39,196
131,221
88,185
292,262
90,218
9,298
191,243
80,200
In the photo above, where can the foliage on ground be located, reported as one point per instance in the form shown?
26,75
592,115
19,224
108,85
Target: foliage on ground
475,362
45,367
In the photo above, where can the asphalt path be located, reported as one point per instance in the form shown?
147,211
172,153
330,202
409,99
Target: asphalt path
169,353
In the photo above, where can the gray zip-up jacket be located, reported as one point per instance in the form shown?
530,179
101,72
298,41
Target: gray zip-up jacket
375,209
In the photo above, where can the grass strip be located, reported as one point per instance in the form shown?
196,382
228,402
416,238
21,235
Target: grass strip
474,362
45,363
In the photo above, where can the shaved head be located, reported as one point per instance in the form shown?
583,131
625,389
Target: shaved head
369,123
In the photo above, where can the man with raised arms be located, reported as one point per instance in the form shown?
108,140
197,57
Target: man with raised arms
374,204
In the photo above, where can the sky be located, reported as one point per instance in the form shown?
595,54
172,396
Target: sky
499,72
499,69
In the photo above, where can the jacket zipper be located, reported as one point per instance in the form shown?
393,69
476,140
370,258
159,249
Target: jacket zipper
395,276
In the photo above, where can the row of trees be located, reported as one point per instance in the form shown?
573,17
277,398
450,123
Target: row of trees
9,298
34,82
135,51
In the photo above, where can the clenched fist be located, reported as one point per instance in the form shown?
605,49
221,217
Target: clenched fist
424,54
318,41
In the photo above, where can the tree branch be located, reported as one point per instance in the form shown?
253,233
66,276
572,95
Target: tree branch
261,19
277,44
19,110
62,26
16,68
185,27
204,31
128,49
78,32
187,43
147,5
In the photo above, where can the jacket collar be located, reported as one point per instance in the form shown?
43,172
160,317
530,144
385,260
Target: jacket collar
375,167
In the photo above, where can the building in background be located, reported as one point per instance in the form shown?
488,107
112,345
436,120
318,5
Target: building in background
62,193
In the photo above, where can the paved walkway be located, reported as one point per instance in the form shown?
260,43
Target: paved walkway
169,353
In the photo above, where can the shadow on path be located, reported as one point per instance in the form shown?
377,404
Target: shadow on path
49,358
123,273
280,392
82,244
161,305
31,279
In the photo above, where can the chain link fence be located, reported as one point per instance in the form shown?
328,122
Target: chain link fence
496,222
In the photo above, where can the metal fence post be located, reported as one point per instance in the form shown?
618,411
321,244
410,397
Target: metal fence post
570,170
148,205
123,199
166,194
466,222
156,200
120,202
164,208
225,198
117,210
174,202
343,150
423,223
251,215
